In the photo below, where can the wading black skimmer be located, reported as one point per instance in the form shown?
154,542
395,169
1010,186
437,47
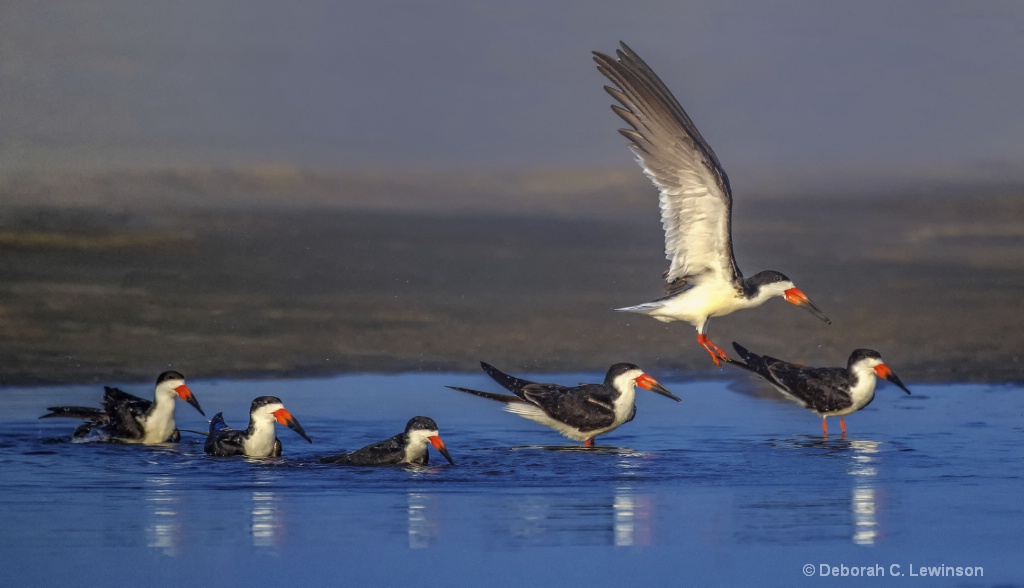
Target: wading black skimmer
703,280
409,446
131,419
830,392
260,439
580,413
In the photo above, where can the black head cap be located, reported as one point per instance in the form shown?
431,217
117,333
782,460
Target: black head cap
169,375
861,354
263,401
421,423
767,277
617,370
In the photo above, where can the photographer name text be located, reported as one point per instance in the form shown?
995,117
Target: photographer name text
824,570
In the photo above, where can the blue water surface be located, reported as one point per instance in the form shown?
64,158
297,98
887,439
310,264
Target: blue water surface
723,489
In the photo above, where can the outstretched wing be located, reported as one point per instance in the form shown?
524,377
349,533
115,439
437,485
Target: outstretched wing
696,199
585,407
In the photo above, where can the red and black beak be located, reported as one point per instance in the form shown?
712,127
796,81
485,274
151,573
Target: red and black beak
883,371
797,297
648,383
435,440
185,394
285,418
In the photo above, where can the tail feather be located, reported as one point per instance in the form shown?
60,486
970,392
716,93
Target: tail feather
75,412
645,308
217,424
510,383
503,398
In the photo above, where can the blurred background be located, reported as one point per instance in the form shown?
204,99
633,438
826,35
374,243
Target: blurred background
246,186
789,93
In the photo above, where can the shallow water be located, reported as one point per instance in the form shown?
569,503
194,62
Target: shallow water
724,488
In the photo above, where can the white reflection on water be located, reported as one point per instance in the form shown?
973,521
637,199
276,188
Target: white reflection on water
862,504
633,514
163,528
423,523
267,519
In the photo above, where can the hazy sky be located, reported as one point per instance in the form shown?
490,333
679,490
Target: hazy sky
782,90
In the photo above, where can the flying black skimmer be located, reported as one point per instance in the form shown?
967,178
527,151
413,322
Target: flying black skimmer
130,419
580,413
830,392
259,440
409,446
702,280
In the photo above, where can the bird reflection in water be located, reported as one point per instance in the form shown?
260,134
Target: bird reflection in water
862,504
267,518
424,524
632,518
163,528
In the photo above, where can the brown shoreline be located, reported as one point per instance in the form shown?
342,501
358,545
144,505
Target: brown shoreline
115,277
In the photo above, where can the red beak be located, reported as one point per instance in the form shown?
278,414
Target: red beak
185,394
285,418
648,383
797,297
439,445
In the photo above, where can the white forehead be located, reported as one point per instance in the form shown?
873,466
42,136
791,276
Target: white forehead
628,377
421,435
269,408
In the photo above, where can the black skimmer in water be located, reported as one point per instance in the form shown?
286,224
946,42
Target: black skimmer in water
830,392
580,413
131,419
409,446
259,440
703,280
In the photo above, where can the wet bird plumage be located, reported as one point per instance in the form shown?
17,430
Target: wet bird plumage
830,391
579,412
131,419
259,439
695,197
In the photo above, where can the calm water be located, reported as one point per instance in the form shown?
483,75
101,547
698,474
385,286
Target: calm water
724,488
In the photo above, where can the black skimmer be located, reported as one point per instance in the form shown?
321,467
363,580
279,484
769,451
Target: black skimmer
830,392
702,280
409,446
131,419
580,413
259,440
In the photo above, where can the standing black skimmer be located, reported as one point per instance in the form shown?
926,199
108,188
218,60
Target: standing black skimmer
830,392
703,280
259,440
409,446
131,419
580,413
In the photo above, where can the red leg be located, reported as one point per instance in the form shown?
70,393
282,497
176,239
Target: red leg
824,427
842,423
589,442
714,350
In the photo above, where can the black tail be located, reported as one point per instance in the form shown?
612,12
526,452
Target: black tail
504,398
217,424
754,363
75,412
510,383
